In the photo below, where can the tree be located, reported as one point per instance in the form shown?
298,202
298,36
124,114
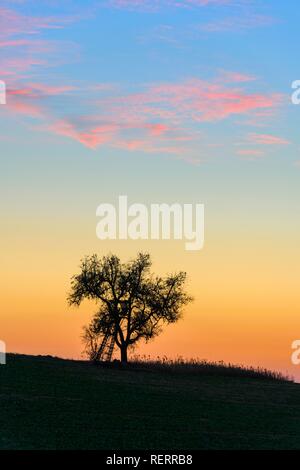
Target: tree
132,303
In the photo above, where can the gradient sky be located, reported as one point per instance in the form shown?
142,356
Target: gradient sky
164,101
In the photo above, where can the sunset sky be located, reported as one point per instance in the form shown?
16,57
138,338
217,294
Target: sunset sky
165,101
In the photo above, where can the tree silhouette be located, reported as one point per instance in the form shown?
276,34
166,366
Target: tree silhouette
133,304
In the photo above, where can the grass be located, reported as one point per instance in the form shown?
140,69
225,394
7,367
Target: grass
49,403
203,367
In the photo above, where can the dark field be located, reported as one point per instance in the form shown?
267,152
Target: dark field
49,403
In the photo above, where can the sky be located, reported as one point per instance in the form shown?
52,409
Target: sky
163,101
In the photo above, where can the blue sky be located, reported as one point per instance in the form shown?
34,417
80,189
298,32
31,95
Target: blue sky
157,79
189,87
164,101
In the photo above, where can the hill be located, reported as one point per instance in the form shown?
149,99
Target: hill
50,403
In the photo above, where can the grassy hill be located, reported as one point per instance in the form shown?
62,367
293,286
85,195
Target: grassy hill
49,403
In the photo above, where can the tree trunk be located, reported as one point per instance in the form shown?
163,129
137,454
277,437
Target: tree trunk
124,353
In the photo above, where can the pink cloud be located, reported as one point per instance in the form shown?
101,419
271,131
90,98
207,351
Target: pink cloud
28,101
250,153
235,77
193,100
238,23
14,23
154,5
25,108
16,67
157,129
97,135
266,139
15,43
21,47
40,89
91,138
161,115
148,146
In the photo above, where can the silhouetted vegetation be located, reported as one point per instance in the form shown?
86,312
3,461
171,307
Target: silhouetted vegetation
132,303
50,403
203,367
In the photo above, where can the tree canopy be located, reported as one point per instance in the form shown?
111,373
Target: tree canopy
133,304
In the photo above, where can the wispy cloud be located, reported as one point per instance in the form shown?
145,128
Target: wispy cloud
170,117
235,77
154,5
22,47
250,154
92,138
236,24
267,139
256,145
166,116
31,100
37,90
14,23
